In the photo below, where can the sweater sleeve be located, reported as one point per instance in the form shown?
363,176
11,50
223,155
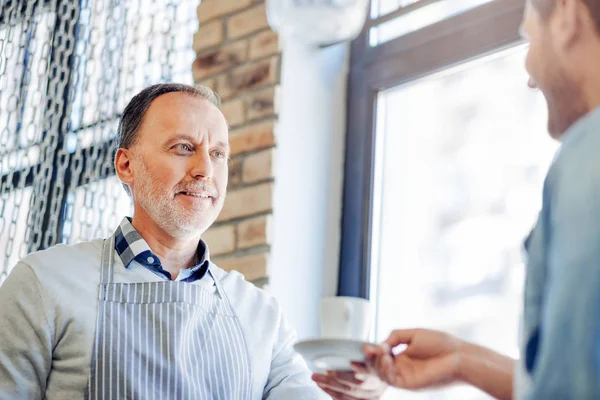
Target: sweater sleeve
289,377
25,336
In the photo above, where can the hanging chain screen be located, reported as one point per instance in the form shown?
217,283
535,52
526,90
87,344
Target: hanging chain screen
67,70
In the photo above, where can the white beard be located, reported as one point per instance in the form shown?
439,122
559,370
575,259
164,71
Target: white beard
160,204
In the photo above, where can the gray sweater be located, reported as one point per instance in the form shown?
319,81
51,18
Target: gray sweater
48,316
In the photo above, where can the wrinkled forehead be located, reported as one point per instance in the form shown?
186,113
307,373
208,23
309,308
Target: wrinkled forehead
183,114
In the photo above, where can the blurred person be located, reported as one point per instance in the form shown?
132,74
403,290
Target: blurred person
145,313
560,349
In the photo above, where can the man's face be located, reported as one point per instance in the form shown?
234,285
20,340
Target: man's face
547,64
179,164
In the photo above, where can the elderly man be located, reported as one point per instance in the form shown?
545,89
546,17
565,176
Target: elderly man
560,355
145,313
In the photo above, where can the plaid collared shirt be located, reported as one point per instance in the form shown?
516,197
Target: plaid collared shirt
132,248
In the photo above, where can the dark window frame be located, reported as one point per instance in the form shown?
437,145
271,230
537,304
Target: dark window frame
484,30
52,237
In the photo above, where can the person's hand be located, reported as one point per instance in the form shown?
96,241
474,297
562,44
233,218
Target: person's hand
430,360
351,385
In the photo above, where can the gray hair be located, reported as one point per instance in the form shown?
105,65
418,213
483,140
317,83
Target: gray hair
133,115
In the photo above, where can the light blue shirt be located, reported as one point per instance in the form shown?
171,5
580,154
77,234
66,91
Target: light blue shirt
562,290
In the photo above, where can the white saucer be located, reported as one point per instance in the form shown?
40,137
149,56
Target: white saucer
330,354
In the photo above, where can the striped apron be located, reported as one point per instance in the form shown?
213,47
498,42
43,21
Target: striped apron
166,340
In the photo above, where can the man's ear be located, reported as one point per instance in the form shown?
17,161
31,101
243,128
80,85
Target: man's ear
123,166
567,22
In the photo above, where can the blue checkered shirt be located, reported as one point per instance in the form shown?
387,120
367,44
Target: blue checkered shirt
132,248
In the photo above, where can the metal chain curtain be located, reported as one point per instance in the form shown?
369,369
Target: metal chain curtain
67,69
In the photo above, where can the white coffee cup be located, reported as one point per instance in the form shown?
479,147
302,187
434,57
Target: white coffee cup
346,318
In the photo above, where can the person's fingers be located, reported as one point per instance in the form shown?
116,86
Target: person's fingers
331,382
379,368
371,349
388,369
335,395
370,363
351,394
346,377
360,369
400,336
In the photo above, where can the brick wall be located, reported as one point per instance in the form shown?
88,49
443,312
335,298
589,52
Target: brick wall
238,56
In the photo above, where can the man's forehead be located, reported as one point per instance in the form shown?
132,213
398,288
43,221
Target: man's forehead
193,115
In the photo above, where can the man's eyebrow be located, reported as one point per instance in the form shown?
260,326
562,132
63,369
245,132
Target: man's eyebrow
181,137
225,145
220,143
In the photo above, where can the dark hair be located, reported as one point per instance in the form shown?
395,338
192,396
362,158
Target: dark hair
133,115
546,7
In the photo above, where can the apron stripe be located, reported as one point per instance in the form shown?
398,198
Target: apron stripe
192,354
155,332
166,340
111,385
145,366
117,381
126,315
201,353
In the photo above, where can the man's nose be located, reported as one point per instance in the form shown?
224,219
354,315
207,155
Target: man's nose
531,83
201,165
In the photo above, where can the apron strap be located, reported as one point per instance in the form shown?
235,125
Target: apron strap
107,268
220,290
107,264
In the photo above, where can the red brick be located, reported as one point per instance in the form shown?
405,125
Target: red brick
247,22
211,9
254,232
252,137
262,103
234,112
258,167
247,201
214,61
264,44
255,75
235,172
209,35
220,239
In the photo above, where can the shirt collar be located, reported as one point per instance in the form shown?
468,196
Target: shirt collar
130,246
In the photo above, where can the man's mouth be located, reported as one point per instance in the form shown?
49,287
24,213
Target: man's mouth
202,195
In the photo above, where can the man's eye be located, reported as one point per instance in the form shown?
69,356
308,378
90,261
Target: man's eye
184,147
219,154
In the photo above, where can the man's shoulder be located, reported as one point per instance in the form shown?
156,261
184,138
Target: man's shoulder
241,291
63,256
576,170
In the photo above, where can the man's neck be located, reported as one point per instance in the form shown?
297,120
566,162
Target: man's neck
588,74
174,253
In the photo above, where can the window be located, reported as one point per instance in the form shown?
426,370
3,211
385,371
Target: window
446,155
392,19
67,70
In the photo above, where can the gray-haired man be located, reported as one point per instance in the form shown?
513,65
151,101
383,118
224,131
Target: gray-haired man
144,313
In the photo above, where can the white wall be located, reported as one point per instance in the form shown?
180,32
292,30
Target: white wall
308,185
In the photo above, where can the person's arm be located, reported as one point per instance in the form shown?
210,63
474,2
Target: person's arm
487,370
289,377
25,337
567,364
434,359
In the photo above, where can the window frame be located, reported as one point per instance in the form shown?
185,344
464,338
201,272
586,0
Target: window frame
481,31
54,236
